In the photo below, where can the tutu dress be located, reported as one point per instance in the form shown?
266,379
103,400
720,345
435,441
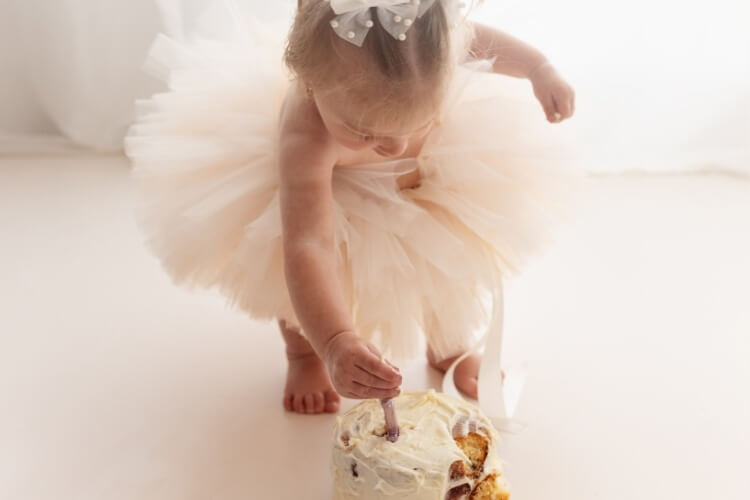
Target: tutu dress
413,263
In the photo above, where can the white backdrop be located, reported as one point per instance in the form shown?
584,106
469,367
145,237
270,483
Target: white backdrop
662,84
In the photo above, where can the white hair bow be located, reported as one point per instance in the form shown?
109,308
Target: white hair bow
354,17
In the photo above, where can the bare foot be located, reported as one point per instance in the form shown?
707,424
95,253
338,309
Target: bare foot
465,376
308,388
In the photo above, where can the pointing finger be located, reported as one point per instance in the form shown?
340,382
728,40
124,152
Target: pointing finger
365,378
360,391
373,364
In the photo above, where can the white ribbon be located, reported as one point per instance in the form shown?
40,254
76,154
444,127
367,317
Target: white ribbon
498,398
354,17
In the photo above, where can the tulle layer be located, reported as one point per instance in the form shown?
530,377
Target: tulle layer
412,261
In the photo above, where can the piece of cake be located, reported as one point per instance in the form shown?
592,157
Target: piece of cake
446,451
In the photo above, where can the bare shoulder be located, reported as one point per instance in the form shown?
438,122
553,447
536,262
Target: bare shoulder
306,147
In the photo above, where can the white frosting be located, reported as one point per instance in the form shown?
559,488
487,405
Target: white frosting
416,467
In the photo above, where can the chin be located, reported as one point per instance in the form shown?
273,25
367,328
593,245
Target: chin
353,145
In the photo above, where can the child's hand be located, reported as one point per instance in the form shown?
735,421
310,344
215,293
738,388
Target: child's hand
357,371
556,96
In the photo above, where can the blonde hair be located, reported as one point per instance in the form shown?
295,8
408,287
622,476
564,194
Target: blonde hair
410,77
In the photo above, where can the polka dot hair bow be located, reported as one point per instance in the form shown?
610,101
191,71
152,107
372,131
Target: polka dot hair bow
354,18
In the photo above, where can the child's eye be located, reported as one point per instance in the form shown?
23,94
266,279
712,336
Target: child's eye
366,138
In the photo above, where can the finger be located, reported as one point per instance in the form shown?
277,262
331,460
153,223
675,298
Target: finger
360,391
564,108
288,402
370,363
374,350
557,113
377,353
549,109
309,403
365,378
393,366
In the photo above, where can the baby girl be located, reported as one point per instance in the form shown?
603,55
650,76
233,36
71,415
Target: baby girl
365,205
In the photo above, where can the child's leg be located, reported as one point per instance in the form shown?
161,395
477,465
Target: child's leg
308,388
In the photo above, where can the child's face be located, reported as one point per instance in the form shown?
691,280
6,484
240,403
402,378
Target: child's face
347,129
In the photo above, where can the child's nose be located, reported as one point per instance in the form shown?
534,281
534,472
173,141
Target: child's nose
392,147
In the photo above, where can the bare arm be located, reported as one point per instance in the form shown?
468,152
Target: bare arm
513,57
307,218
356,367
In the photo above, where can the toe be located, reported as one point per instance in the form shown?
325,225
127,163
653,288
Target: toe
309,403
320,402
332,402
288,402
472,387
468,385
299,404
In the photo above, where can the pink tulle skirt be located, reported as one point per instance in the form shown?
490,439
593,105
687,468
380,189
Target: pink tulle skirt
414,264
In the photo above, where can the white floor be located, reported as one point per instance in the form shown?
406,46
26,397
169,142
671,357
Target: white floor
115,385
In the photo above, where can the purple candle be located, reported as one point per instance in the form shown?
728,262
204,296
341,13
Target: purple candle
391,422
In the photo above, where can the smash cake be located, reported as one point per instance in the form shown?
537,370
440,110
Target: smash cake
446,451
